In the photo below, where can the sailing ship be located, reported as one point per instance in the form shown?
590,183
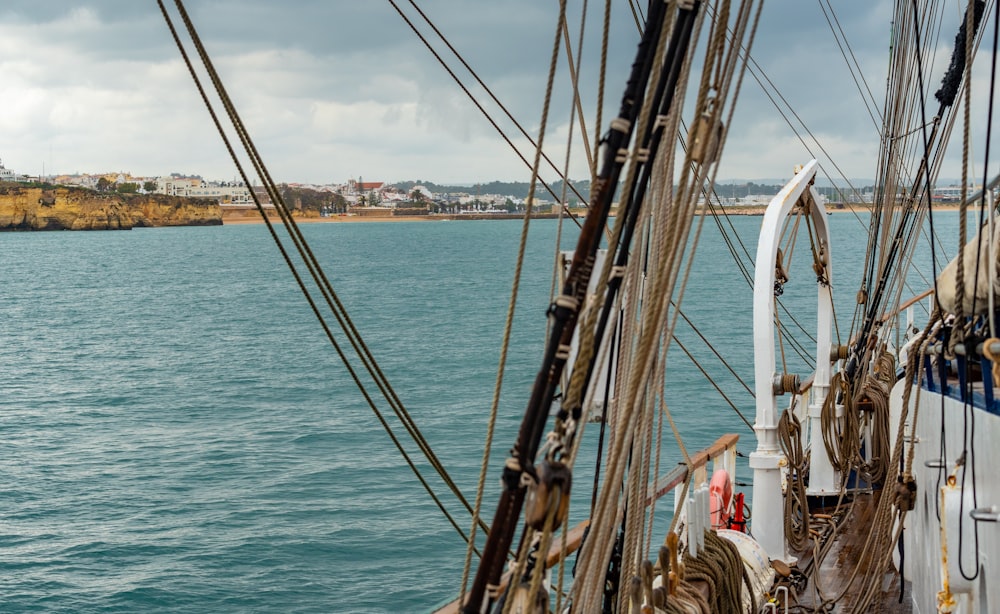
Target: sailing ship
872,485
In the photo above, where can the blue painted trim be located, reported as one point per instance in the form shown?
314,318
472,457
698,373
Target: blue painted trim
980,401
943,376
929,383
962,368
987,365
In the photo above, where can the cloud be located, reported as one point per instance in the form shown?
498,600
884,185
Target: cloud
331,90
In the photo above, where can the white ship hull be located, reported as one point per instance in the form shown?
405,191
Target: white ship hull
942,422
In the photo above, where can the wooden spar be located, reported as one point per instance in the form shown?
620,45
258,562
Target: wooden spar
663,485
885,317
563,312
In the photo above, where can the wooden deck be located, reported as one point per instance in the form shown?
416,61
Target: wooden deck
844,557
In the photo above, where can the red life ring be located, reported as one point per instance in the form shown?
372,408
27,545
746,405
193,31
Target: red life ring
720,492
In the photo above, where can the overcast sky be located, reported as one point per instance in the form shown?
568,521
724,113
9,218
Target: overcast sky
332,89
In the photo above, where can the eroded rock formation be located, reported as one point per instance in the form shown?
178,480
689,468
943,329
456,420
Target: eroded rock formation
66,208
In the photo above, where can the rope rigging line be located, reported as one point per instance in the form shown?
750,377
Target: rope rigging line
309,259
660,412
989,133
479,105
669,224
888,147
796,507
623,232
681,29
311,264
855,67
879,543
968,412
889,513
714,351
715,385
601,82
898,240
621,236
486,88
898,243
576,109
760,76
800,350
333,301
637,14
488,571
592,565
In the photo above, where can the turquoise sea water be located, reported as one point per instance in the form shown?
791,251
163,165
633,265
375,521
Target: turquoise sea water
176,433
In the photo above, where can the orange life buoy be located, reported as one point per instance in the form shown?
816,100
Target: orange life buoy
720,491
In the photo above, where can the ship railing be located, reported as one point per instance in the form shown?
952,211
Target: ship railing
722,454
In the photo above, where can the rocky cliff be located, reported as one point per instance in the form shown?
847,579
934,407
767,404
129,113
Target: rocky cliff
26,208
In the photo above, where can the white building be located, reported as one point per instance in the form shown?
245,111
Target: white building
226,193
8,175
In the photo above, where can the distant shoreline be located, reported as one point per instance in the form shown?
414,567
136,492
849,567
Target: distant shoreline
253,217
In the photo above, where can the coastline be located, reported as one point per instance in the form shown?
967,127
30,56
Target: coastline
252,217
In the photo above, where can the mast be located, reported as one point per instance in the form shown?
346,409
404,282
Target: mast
919,192
563,313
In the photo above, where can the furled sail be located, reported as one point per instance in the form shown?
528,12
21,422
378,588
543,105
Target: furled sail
979,280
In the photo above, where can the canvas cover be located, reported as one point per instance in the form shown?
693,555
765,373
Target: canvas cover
976,291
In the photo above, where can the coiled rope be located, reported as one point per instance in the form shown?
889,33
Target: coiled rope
796,507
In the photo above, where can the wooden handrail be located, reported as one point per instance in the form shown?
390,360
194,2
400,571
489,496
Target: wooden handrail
574,537
699,459
912,301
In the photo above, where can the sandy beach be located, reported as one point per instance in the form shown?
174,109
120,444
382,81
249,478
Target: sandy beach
228,220
252,217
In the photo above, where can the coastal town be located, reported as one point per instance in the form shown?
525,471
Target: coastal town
376,199
352,197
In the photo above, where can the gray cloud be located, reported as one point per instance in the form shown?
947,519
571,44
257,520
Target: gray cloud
333,89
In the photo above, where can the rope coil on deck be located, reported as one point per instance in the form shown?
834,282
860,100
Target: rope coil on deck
796,508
